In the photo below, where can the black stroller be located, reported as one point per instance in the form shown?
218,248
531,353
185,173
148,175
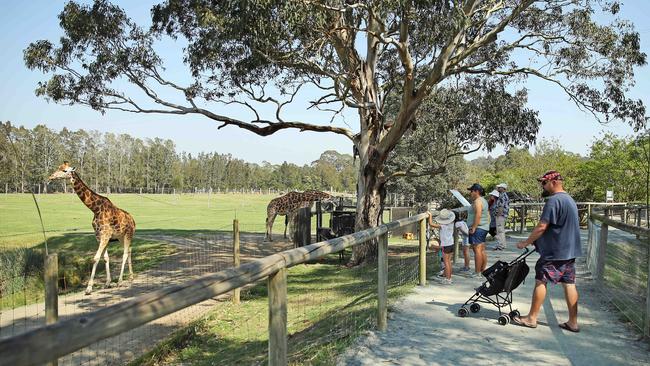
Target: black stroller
502,279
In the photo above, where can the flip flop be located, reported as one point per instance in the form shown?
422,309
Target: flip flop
566,326
517,321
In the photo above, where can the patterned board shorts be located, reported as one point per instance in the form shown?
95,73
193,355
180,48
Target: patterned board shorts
556,271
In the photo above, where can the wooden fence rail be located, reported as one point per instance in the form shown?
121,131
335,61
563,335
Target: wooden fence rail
598,267
52,341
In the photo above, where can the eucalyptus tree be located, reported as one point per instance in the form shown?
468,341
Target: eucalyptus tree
255,54
457,120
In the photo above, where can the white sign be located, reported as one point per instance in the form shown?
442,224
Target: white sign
460,198
609,196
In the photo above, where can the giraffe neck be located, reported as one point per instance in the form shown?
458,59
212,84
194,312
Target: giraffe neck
87,195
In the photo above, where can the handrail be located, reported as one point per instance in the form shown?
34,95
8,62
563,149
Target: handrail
621,225
52,341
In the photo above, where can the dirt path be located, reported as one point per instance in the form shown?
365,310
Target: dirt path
425,330
195,256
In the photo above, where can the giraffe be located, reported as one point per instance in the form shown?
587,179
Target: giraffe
289,203
110,223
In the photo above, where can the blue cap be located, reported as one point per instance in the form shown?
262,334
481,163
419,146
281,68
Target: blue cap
476,187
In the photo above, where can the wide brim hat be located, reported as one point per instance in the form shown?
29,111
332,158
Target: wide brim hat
445,217
495,193
502,185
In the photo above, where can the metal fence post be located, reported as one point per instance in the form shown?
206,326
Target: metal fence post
277,286
51,292
423,252
382,282
602,253
235,254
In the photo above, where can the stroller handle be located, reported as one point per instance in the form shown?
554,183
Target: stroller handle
525,254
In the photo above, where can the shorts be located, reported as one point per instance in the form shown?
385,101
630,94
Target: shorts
448,249
478,237
465,241
563,271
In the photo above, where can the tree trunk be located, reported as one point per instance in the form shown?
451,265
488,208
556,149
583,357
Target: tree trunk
370,196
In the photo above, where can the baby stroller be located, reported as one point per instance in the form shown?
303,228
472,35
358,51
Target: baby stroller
502,279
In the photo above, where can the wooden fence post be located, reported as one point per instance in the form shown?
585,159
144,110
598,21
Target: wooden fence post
382,282
235,256
456,245
277,286
301,230
602,252
423,252
646,323
51,292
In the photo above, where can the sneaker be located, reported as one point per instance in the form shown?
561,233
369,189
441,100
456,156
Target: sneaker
445,281
498,248
464,270
441,273
475,275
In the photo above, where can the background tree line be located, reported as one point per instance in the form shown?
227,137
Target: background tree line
125,164
621,164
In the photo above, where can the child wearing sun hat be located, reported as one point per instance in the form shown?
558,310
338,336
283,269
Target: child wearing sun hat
445,222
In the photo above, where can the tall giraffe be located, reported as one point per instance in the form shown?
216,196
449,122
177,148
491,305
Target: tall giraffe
110,223
289,203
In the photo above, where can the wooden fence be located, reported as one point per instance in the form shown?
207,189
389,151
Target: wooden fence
49,342
523,213
599,253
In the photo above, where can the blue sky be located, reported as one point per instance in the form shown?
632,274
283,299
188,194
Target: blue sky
25,22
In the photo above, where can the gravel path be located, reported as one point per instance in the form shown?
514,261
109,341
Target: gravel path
425,330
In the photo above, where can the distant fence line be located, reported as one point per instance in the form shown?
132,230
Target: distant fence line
45,188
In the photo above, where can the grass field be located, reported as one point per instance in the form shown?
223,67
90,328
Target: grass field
65,213
69,233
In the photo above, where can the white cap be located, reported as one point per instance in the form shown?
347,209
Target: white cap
502,185
495,193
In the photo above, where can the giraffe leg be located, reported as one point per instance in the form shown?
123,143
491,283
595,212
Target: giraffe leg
269,226
286,223
130,267
103,243
108,269
126,256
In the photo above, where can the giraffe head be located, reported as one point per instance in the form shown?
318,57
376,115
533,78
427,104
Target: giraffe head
64,171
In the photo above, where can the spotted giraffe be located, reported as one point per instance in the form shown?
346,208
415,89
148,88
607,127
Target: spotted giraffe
110,223
289,203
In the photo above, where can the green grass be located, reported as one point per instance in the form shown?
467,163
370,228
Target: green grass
65,213
328,307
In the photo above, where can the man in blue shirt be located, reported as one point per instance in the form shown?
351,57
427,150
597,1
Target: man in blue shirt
557,238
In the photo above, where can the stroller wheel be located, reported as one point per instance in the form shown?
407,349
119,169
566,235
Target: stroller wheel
504,319
462,312
475,307
514,313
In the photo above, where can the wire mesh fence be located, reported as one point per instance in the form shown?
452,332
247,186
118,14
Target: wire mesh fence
191,256
624,278
321,317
